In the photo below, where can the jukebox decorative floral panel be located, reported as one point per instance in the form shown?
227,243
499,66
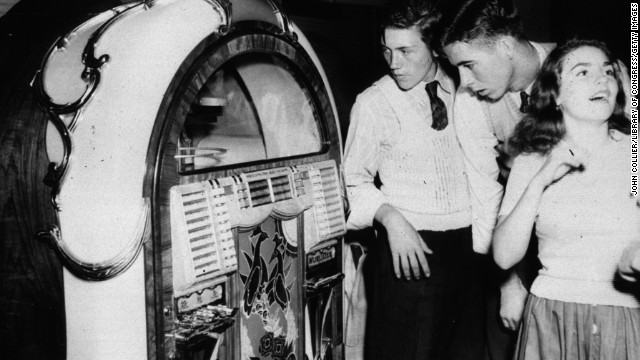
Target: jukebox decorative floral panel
270,310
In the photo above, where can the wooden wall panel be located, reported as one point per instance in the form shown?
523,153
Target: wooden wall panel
32,317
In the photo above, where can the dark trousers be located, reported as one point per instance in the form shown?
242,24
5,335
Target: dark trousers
501,342
437,318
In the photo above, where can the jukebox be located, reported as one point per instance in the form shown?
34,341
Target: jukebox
195,172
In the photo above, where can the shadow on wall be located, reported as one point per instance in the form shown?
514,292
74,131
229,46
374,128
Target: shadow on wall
345,38
607,21
32,318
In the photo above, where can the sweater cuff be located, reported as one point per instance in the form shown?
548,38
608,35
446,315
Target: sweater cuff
363,211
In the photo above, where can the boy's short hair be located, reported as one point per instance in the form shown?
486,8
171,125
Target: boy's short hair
481,19
423,14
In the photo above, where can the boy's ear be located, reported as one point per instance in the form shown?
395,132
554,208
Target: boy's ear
507,45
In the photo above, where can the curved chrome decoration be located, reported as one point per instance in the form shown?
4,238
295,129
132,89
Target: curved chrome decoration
107,269
55,174
148,4
91,75
285,23
43,98
226,8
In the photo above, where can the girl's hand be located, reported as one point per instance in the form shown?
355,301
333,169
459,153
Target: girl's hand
513,296
561,160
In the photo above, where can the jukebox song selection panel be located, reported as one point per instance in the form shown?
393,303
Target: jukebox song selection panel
204,214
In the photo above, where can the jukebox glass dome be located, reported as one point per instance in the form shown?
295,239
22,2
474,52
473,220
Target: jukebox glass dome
250,109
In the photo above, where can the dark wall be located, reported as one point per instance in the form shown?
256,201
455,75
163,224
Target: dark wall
345,38
32,313
535,18
607,21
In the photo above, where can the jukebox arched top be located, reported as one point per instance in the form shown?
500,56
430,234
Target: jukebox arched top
256,105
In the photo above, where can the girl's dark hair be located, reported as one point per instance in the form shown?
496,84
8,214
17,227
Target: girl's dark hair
424,14
541,129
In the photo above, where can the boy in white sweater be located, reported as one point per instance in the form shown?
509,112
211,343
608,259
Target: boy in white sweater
425,294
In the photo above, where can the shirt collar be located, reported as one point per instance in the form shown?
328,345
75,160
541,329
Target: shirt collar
542,55
444,82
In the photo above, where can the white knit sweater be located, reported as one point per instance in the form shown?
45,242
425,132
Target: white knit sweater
585,221
421,169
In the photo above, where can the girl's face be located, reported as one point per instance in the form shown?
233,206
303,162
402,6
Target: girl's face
588,86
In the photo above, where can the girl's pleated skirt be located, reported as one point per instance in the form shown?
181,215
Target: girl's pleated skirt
557,330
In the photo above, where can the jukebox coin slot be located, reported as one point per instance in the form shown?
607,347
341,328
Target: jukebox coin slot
201,319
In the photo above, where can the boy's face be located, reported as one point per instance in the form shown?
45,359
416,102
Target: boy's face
410,59
485,66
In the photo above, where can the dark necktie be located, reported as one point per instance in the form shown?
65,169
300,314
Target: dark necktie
525,107
438,110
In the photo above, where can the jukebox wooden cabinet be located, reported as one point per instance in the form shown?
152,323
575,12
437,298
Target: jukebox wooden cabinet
195,171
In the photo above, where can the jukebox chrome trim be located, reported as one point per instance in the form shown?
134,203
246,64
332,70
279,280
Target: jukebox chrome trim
227,12
285,23
55,174
91,75
107,269
54,177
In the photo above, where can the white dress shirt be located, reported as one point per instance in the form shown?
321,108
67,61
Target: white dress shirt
483,128
421,169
